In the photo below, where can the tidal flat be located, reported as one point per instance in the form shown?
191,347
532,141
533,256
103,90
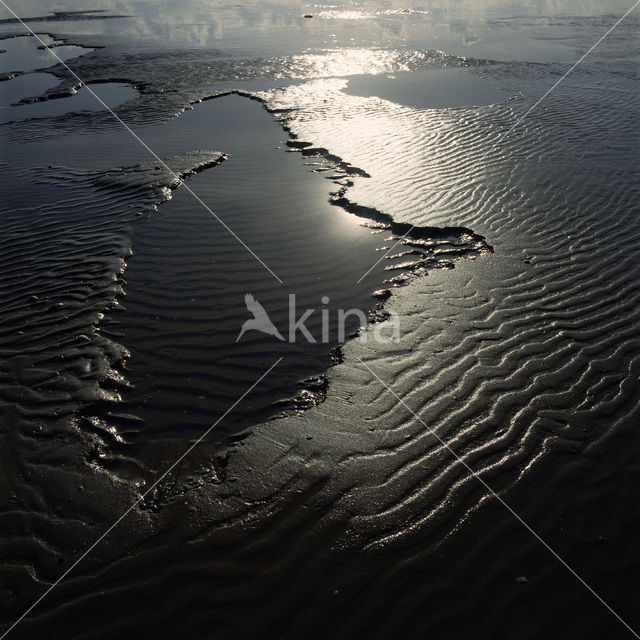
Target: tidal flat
185,453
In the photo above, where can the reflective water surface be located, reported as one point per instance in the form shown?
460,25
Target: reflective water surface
345,516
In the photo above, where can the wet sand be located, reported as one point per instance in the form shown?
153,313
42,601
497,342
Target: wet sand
348,517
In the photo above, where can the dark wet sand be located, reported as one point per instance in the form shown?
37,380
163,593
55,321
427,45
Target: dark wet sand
348,519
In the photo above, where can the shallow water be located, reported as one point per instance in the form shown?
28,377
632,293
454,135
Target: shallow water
30,84
187,278
434,89
349,517
28,53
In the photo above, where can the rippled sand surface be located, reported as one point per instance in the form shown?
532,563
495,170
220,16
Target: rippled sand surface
342,497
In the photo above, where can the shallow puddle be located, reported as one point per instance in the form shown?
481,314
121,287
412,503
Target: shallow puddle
26,53
430,89
187,279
